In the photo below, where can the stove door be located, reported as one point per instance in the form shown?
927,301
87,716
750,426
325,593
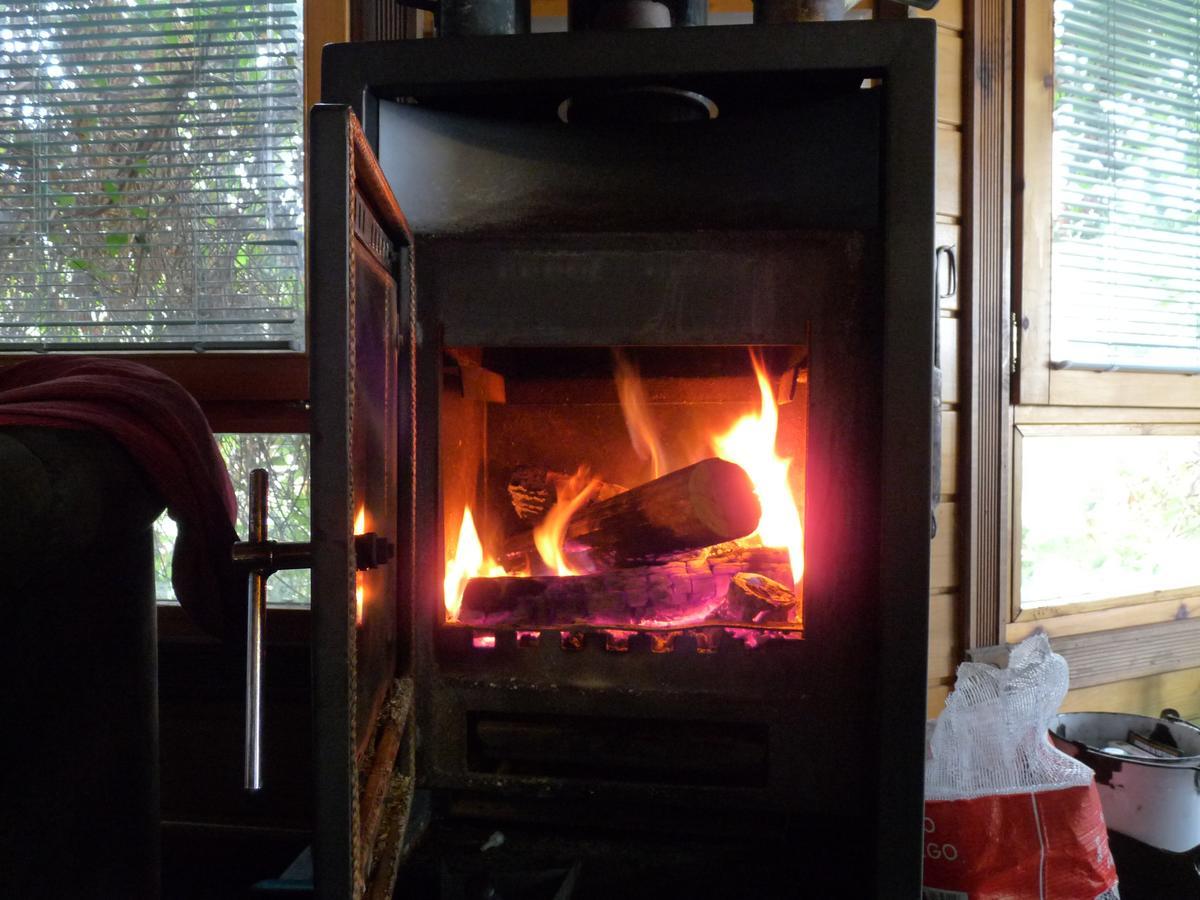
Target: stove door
361,701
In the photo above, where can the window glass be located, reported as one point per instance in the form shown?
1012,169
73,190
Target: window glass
1108,516
1126,190
150,174
286,459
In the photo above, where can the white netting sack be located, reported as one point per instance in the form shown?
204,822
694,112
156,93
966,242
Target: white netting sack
992,736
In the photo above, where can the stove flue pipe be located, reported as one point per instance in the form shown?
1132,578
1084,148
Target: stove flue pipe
602,15
776,12
480,17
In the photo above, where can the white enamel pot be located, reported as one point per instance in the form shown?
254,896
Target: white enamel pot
1156,801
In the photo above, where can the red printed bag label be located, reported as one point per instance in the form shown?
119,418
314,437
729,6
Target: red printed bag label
1046,845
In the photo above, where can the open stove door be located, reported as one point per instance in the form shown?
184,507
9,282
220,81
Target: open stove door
362,699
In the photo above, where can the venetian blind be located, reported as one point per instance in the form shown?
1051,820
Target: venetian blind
150,174
1126,238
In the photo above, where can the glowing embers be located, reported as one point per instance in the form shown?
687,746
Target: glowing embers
699,531
696,640
704,588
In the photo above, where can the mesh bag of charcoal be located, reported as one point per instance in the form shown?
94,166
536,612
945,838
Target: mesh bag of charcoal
1006,814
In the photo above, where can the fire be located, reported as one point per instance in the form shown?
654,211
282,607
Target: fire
548,536
751,444
360,527
468,561
642,433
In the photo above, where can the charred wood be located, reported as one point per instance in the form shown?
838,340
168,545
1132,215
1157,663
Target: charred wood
753,597
683,592
710,502
533,491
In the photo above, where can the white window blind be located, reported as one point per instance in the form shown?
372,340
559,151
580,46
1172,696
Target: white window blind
150,174
1126,238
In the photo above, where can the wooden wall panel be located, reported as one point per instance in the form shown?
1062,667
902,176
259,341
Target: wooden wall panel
949,453
935,699
987,180
945,649
1167,610
1147,696
325,22
943,562
948,14
948,340
949,171
949,74
1130,653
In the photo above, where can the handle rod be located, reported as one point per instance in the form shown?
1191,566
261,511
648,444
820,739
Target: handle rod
256,609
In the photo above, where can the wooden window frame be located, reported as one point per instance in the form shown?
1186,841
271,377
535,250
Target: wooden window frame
1039,383
1110,612
1111,640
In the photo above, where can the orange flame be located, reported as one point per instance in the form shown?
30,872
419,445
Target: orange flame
360,527
642,433
548,536
467,561
751,444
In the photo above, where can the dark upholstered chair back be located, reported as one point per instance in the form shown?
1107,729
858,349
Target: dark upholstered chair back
78,685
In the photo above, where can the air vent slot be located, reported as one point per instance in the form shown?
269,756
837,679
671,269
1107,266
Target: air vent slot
610,749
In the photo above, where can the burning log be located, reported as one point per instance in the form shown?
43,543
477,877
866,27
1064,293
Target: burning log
532,491
756,598
710,502
732,557
685,592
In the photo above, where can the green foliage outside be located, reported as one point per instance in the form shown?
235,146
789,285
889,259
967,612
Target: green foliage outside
1126,236
1108,516
286,459
150,173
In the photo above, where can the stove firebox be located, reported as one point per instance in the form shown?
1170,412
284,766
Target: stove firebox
619,351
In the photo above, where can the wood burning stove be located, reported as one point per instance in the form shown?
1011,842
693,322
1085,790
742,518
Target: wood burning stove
534,290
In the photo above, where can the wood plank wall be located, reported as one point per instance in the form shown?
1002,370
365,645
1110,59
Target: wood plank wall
945,600
1149,695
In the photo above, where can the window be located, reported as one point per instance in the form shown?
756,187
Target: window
1125,257
286,459
1107,244
151,204
1105,514
151,154
1106,252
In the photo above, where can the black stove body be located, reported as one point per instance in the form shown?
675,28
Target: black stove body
465,213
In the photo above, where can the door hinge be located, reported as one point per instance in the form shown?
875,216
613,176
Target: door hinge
1015,344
